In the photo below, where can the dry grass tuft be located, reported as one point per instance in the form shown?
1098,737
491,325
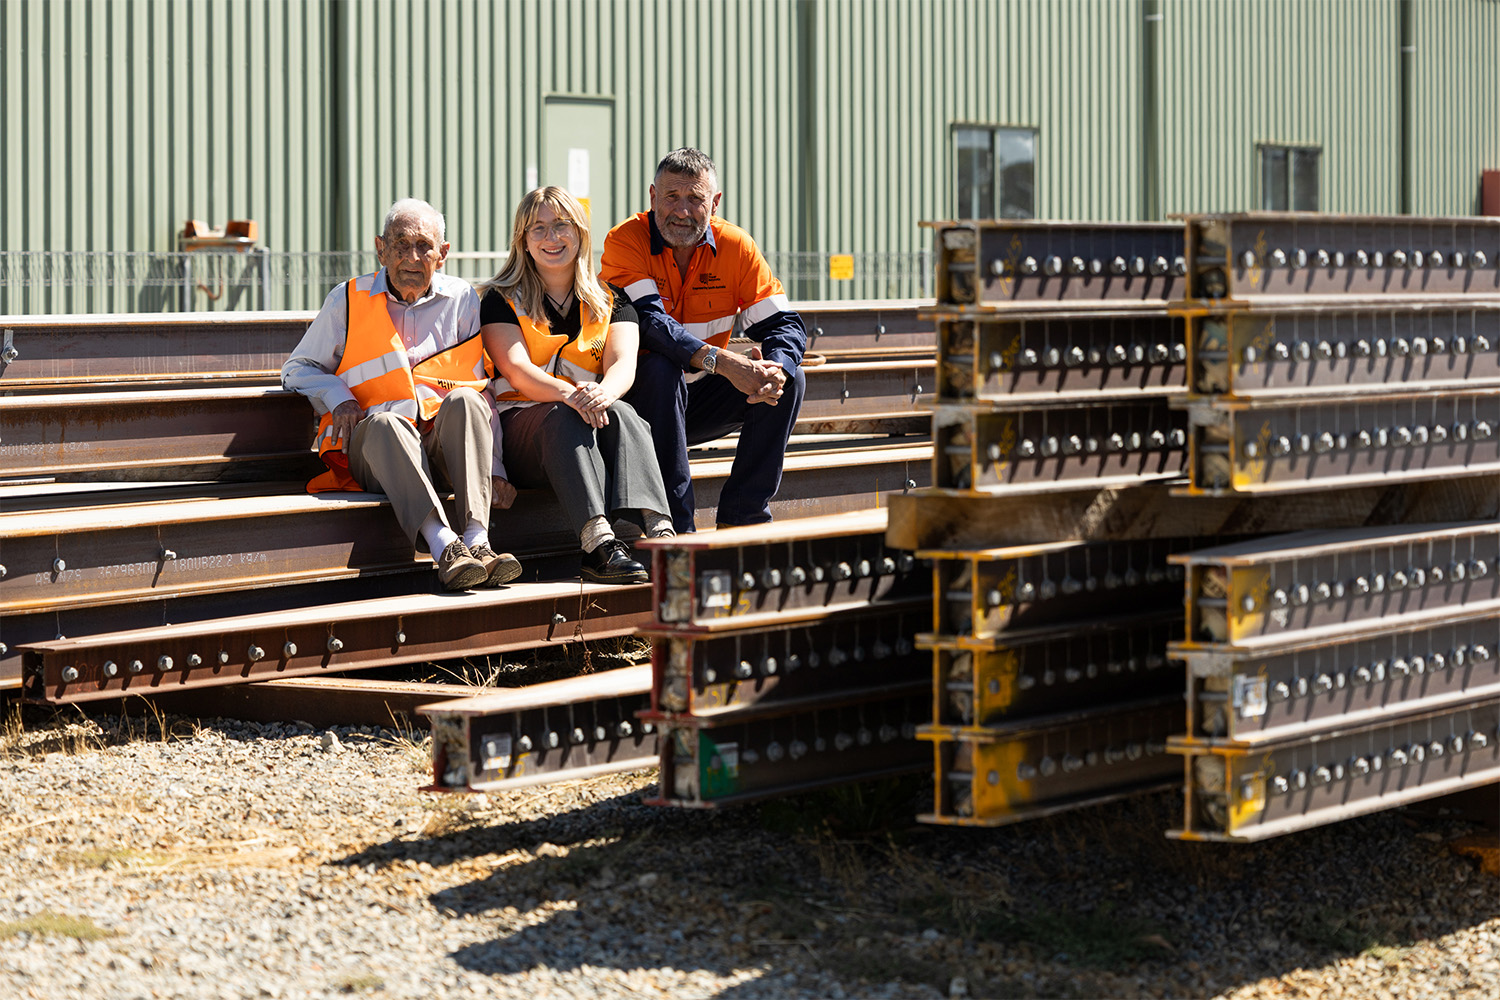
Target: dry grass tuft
364,982
39,732
49,924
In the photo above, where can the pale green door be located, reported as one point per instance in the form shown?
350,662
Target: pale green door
578,153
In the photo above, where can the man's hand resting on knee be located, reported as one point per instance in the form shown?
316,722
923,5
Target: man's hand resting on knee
344,417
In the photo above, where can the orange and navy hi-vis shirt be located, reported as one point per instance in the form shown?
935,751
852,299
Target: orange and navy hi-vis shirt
729,290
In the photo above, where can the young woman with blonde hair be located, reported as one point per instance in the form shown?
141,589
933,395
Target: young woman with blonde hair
565,347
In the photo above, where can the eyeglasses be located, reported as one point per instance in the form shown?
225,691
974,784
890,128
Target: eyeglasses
405,248
558,230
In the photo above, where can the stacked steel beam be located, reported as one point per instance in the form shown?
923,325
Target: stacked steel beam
782,659
1341,672
1056,361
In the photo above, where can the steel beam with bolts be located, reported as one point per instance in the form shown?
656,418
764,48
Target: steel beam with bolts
983,592
573,728
1238,793
997,775
252,537
55,434
332,637
62,433
64,352
711,674
1265,688
1295,346
1056,447
767,574
772,750
58,556
1020,356
1279,445
22,629
131,349
1002,262
321,702
1245,256
1051,669
866,330
1282,586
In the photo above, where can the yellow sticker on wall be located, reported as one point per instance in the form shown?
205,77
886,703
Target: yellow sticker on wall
841,267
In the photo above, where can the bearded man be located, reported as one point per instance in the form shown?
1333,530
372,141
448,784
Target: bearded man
694,280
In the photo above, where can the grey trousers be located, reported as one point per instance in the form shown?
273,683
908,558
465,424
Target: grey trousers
610,472
388,455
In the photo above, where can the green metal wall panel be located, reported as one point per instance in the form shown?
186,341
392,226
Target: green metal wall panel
124,119
477,76
891,79
1455,102
1322,73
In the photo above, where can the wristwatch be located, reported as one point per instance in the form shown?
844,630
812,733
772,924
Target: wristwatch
711,360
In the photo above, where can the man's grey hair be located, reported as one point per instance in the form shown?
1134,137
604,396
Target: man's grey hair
415,208
689,162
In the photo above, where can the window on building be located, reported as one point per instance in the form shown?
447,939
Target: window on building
1289,178
996,172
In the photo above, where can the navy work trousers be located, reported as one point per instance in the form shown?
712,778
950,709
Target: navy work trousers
682,414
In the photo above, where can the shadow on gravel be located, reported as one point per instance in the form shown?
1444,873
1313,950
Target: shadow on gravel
1089,904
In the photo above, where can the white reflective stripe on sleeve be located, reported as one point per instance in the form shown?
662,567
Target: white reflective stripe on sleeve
374,368
765,309
642,289
705,330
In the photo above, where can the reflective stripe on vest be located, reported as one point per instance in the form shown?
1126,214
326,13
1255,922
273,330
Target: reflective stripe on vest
375,368
578,360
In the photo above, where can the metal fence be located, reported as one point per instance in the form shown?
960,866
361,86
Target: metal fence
58,282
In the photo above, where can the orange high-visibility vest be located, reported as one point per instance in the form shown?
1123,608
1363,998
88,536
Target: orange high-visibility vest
377,371
578,360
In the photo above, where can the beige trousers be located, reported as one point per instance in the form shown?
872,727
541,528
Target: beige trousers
388,455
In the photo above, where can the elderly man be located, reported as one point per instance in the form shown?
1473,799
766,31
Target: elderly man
694,279
394,365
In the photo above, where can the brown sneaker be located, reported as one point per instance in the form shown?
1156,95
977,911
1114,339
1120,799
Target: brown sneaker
457,569
502,567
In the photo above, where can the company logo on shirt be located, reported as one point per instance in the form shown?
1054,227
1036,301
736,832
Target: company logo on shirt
710,282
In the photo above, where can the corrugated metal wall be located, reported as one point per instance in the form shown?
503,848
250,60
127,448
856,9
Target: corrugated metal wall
831,119
892,78
723,76
124,119
1322,73
1455,114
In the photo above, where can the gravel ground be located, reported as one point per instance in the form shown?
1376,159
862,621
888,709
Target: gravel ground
230,859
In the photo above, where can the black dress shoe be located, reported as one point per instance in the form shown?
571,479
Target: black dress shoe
611,563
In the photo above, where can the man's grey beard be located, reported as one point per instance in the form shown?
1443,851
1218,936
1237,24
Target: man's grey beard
692,241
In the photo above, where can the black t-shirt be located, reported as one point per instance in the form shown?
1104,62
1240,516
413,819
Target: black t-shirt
495,309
